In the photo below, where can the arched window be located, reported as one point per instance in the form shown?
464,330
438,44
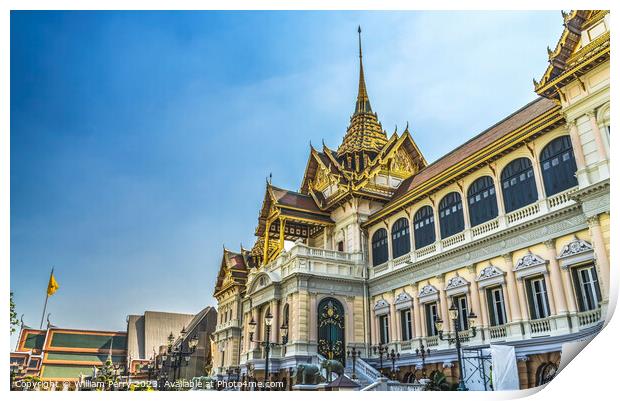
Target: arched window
285,321
558,165
424,227
482,201
451,215
379,247
518,184
400,238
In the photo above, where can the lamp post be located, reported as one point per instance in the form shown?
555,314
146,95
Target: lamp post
178,356
393,356
354,353
380,350
423,352
456,337
267,344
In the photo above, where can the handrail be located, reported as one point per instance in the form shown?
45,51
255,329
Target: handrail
366,370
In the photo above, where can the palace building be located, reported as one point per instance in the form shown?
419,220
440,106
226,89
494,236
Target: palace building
511,230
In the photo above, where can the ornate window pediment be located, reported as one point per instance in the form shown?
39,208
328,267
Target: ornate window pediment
575,247
403,300
576,251
530,264
456,285
428,290
428,293
382,307
490,275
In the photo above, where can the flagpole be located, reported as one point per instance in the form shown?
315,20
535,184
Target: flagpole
46,298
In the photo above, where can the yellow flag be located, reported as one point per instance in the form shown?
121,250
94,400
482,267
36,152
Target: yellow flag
52,286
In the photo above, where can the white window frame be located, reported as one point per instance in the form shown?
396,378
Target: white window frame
462,306
384,327
542,310
407,322
494,302
592,286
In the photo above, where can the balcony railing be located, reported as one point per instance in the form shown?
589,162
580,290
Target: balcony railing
589,318
453,240
485,228
561,199
427,250
523,214
542,327
497,332
401,260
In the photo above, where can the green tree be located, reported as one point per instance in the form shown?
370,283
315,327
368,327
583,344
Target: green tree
439,382
14,321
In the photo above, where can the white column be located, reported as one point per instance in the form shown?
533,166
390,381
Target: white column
511,286
556,278
417,315
474,297
602,151
602,259
580,160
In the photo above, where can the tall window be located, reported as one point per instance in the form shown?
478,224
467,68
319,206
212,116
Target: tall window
285,320
379,247
558,165
430,310
518,184
537,298
401,244
495,301
587,287
451,214
405,324
424,227
482,201
461,304
384,329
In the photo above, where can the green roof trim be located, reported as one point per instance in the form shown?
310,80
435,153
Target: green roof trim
82,340
34,340
66,371
65,356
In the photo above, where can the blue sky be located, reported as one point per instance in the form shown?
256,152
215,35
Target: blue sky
140,141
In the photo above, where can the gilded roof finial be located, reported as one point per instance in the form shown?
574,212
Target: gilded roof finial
363,103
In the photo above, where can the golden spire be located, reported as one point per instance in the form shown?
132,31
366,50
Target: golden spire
365,136
363,103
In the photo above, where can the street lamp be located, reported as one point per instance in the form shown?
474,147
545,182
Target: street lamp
177,356
423,352
456,337
267,344
393,356
354,354
380,350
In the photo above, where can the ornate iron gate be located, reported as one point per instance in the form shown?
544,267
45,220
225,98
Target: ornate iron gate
331,329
